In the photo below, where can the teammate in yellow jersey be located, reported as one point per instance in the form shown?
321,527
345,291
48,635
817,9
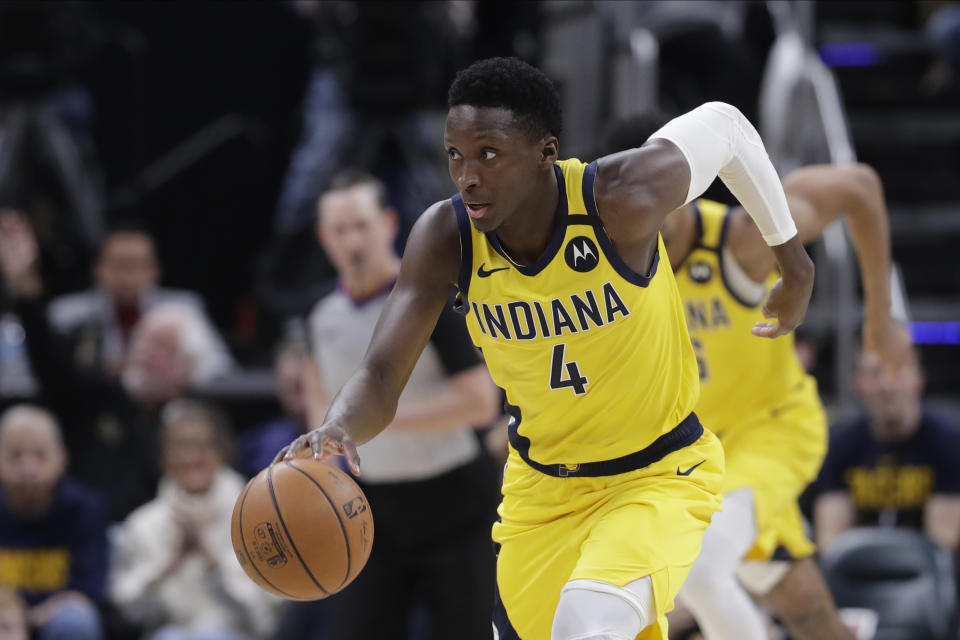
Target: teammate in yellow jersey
611,479
758,400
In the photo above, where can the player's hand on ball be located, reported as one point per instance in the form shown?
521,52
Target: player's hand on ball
324,441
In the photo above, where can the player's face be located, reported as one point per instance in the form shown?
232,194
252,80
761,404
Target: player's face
356,231
127,267
32,460
494,163
190,455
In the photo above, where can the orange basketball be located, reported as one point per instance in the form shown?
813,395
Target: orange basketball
302,529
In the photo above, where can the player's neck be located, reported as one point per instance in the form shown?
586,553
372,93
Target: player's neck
362,287
527,233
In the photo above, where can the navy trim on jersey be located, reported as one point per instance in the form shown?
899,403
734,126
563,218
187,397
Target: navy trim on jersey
684,434
501,620
559,231
723,273
466,250
698,220
606,245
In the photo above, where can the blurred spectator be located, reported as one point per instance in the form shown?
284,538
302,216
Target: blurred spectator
13,616
374,101
429,455
53,531
257,446
175,571
111,424
894,466
101,320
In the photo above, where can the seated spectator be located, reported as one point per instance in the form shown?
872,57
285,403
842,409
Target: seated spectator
256,447
53,531
112,423
175,570
100,321
13,616
894,466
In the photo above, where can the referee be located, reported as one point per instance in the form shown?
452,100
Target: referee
431,485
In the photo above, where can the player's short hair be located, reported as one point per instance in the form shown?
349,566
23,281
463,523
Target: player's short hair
512,84
350,178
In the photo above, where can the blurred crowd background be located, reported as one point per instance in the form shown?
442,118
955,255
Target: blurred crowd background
160,169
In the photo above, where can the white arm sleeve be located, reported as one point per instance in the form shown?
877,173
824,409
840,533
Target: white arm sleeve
717,140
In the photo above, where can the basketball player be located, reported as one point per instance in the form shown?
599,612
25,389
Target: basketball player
611,479
429,462
773,428
757,399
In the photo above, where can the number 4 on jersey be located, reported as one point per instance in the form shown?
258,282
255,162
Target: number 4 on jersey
558,368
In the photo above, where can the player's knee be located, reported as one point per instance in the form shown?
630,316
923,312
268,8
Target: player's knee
592,610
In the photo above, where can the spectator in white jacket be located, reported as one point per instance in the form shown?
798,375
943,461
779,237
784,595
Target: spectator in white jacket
174,572
100,321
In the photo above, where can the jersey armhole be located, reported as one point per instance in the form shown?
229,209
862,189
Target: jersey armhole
466,255
606,245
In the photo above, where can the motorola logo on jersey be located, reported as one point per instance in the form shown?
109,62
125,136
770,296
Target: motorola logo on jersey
701,272
582,254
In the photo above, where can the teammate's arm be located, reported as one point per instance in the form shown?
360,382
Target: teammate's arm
636,189
817,196
367,402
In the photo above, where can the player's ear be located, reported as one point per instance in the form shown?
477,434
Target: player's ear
549,150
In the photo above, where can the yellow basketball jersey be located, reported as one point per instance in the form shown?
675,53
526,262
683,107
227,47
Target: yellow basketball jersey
739,374
595,359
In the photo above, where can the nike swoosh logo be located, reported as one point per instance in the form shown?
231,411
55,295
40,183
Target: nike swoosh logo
483,273
690,470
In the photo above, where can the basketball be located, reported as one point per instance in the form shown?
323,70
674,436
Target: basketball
302,529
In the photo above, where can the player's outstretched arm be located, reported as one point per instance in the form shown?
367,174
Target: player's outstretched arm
678,163
367,402
819,195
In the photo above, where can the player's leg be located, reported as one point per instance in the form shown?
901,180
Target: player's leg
804,604
594,610
640,548
712,592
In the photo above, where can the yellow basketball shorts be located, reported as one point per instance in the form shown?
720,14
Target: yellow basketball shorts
777,453
615,529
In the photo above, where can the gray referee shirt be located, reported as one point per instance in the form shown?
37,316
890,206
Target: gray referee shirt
340,330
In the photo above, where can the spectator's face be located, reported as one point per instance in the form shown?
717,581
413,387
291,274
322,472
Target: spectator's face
32,460
892,399
191,456
357,232
291,390
127,267
13,624
156,368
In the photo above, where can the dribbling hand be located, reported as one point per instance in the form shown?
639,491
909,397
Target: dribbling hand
324,441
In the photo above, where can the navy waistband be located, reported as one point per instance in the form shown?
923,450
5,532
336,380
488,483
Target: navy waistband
682,435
